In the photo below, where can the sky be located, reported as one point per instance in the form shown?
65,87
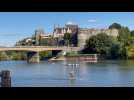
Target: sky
15,26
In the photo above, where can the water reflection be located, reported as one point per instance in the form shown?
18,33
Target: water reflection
71,73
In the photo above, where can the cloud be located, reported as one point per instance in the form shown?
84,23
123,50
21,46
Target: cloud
92,20
71,23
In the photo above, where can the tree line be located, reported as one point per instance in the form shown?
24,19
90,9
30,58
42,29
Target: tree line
120,47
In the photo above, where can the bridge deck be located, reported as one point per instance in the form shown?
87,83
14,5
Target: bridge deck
37,48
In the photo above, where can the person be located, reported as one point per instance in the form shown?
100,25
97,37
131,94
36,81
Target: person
72,75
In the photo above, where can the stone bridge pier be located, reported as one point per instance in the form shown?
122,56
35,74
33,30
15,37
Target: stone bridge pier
33,57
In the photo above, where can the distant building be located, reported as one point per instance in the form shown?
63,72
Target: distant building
47,40
69,28
38,34
42,39
78,35
85,33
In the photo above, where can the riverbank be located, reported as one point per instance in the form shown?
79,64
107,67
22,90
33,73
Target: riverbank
61,58
47,56
79,57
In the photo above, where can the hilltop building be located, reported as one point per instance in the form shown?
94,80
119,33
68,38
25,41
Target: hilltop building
41,38
68,28
78,35
38,34
85,33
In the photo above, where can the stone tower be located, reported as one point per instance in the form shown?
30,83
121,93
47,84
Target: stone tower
38,34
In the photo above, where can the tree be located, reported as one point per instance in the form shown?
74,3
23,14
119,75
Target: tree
125,40
131,40
107,46
67,38
3,56
115,51
132,33
100,44
124,36
115,25
45,54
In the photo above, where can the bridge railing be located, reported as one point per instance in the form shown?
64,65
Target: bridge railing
66,48
39,47
34,47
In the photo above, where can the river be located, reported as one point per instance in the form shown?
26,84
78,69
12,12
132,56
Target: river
57,74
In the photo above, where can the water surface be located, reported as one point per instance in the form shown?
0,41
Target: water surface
56,74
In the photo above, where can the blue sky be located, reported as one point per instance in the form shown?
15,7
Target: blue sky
18,25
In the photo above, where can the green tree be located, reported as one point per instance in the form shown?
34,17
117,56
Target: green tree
67,38
45,54
131,40
125,40
17,55
3,56
116,50
115,25
132,33
107,46
124,36
100,43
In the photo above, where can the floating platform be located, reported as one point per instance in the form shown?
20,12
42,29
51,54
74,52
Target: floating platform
83,57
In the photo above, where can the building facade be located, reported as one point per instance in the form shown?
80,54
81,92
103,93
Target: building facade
38,34
85,33
78,36
68,28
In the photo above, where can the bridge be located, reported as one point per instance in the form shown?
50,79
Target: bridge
33,51
38,48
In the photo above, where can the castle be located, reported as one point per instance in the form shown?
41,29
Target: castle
82,34
78,35
69,28
85,33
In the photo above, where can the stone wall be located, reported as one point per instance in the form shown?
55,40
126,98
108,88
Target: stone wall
85,33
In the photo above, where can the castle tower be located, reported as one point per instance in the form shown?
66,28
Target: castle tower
38,33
